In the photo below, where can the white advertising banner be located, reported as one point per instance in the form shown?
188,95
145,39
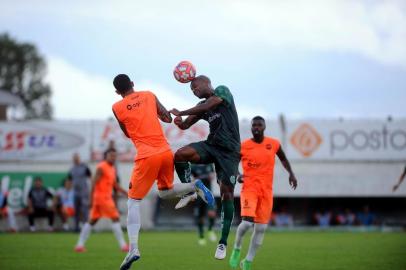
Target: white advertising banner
358,140
44,141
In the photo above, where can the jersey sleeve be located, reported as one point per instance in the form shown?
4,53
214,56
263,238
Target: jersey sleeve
224,93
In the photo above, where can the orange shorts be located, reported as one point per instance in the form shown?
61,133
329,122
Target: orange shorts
146,170
68,211
106,209
257,206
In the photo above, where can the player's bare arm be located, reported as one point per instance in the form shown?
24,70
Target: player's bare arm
187,123
163,113
201,108
118,188
401,178
285,162
121,126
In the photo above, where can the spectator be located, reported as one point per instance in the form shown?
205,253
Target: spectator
64,202
38,204
323,219
283,218
365,217
6,212
80,174
346,218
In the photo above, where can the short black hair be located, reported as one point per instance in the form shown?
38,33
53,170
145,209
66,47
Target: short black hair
258,118
110,150
122,83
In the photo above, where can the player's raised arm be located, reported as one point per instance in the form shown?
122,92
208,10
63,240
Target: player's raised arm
163,113
121,126
201,108
401,178
285,162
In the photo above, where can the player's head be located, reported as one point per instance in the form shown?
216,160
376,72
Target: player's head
123,84
201,86
37,182
258,126
76,159
67,183
111,155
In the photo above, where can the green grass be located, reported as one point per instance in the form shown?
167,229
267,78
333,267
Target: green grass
179,251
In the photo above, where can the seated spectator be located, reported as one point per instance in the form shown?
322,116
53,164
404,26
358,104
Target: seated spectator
347,218
6,212
365,217
64,202
283,218
38,204
323,219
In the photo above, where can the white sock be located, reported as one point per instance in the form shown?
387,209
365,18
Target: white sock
177,191
118,233
241,230
84,234
133,222
11,219
256,240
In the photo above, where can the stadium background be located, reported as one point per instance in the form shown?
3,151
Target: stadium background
340,163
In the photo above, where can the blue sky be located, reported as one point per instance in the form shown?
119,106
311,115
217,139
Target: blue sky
301,58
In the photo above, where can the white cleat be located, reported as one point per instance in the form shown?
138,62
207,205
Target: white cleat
221,252
185,200
131,257
212,236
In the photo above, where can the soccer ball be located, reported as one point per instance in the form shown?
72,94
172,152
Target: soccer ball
184,72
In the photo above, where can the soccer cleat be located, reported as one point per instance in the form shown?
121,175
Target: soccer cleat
80,249
131,257
245,265
204,193
221,252
185,200
125,248
235,258
201,242
212,236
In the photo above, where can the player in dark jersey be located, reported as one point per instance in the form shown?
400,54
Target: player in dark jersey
222,146
204,172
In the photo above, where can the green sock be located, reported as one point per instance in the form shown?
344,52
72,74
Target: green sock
227,214
183,170
200,228
211,223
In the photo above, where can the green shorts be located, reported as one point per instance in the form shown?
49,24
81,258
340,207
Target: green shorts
225,162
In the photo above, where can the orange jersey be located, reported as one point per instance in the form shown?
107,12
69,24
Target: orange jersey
258,161
138,113
103,188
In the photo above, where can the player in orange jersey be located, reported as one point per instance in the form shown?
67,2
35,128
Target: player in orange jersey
138,114
102,203
258,161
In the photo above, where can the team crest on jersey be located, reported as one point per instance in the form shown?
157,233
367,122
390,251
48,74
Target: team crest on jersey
268,146
233,179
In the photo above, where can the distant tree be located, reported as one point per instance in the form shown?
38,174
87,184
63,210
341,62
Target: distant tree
22,70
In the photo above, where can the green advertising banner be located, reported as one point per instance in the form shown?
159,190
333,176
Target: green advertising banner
18,185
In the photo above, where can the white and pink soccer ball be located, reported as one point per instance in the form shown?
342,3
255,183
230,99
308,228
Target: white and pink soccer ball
184,72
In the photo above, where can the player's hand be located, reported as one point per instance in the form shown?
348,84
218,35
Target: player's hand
178,120
175,112
292,181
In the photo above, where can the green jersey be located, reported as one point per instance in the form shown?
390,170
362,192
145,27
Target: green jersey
223,122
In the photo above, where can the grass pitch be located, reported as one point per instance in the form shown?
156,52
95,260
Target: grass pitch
179,251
